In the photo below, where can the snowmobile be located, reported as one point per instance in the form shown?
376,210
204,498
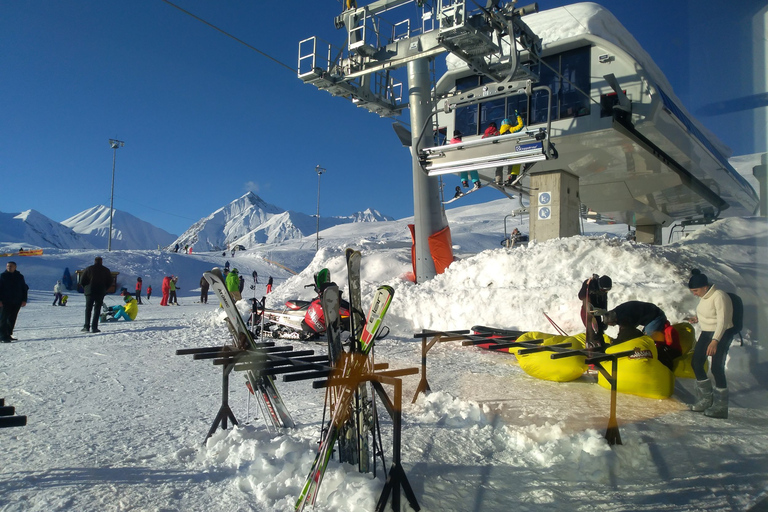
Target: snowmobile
303,319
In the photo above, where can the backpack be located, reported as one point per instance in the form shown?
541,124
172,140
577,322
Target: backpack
738,315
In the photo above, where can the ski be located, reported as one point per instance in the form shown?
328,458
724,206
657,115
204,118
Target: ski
363,408
459,194
331,302
351,365
263,387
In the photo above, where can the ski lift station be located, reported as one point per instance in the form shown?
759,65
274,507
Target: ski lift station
602,125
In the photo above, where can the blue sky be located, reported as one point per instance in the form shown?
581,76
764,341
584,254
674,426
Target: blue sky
205,119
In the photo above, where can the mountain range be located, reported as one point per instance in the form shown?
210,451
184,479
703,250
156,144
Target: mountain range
248,221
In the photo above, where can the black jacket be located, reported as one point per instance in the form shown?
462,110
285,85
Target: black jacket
96,280
634,313
597,297
13,288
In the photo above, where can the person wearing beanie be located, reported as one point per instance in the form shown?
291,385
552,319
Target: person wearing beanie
715,315
597,288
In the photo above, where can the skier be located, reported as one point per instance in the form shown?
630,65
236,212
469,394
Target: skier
127,312
233,284
173,287
96,280
138,290
149,292
491,131
507,127
715,314
269,285
203,290
176,248
57,295
166,289
465,176
13,297
241,285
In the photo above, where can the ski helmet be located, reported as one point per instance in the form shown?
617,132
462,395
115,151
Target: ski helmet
322,277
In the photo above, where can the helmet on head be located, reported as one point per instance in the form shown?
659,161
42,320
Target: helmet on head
605,283
322,277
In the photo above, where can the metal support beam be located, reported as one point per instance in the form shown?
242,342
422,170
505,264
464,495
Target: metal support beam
428,213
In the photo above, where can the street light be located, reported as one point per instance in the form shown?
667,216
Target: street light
114,143
319,170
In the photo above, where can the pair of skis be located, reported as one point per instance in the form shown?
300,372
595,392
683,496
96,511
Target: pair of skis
348,369
263,387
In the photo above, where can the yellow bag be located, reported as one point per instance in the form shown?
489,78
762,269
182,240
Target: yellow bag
528,336
682,365
642,374
542,366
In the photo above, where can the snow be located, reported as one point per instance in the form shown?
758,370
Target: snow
116,420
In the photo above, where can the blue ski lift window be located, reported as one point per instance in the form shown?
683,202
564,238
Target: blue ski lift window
568,99
567,74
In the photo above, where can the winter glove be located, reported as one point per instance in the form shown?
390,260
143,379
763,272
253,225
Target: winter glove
599,312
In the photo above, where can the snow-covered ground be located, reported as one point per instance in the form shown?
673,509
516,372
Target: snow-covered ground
117,420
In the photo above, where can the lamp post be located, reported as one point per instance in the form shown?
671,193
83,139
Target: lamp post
114,143
319,170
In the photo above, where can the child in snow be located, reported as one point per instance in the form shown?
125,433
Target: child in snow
127,312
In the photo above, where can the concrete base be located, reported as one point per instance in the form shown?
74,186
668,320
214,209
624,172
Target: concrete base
649,234
554,211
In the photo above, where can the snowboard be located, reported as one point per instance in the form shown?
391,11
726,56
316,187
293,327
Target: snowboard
263,387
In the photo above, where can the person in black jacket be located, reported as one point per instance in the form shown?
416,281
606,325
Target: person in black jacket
598,297
633,313
13,297
95,281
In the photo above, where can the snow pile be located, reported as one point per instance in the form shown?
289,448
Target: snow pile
116,420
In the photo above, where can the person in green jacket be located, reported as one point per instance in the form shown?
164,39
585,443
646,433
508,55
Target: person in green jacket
233,284
172,296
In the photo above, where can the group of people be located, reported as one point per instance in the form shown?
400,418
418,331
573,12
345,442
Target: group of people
96,280
714,313
187,248
507,126
168,290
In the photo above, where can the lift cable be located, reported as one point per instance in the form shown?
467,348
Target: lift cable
292,70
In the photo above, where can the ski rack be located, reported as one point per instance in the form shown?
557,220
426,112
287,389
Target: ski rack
8,416
442,336
270,360
561,350
397,480
231,358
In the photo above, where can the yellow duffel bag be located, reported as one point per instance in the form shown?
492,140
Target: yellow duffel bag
641,374
542,366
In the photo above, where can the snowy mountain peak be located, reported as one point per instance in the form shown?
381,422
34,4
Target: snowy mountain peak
250,221
32,228
128,232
